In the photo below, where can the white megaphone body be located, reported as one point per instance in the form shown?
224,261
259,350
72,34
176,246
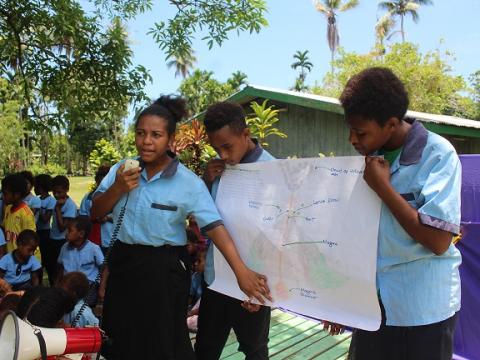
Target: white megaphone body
19,340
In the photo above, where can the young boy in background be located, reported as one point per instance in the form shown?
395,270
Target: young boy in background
18,216
76,284
65,210
20,268
418,181
80,254
33,202
43,186
228,134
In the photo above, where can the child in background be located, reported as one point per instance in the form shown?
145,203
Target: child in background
65,210
5,288
197,277
18,216
80,254
192,242
9,303
45,307
102,227
3,243
43,185
32,201
20,268
76,284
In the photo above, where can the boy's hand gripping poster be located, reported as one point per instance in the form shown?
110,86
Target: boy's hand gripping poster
310,226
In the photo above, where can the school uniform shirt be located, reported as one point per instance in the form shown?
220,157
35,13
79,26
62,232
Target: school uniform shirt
47,204
34,203
106,230
9,264
416,286
2,238
156,210
69,210
86,205
16,220
87,259
258,154
87,318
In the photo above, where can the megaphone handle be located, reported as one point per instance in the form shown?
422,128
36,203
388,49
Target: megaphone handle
41,343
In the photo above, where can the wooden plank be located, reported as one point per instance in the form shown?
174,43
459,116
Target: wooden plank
232,348
338,351
316,348
299,345
281,335
293,339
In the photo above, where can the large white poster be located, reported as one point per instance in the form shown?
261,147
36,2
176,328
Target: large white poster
309,225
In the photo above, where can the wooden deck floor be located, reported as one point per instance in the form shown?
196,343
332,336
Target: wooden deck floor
293,337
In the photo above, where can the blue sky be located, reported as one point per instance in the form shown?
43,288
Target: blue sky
296,25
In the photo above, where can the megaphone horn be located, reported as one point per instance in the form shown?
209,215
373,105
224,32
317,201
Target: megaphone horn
19,340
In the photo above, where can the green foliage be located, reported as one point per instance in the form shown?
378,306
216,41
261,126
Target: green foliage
400,8
428,79
329,9
104,153
11,129
127,144
201,89
475,81
66,66
192,147
303,62
183,63
237,80
261,122
51,169
215,19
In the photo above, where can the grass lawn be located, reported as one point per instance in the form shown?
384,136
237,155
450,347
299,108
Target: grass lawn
79,186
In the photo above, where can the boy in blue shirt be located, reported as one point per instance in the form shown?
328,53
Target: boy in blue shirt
64,211
79,253
32,201
20,268
228,134
76,284
3,243
418,181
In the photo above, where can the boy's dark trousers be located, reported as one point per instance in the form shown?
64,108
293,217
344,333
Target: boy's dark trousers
50,257
218,315
426,342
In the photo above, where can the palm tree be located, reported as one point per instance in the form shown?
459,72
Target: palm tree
402,8
330,8
302,62
183,63
237,79
382,31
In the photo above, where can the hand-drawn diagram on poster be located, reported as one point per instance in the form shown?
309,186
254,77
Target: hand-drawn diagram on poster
309,225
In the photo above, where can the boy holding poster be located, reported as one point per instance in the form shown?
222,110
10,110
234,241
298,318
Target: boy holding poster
229,135
418,180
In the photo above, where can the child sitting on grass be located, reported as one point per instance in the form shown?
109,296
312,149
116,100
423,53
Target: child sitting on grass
76,284
20,268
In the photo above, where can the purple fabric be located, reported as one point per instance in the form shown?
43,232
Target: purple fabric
439,223
467,332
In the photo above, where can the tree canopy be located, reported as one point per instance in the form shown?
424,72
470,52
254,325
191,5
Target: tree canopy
431,85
